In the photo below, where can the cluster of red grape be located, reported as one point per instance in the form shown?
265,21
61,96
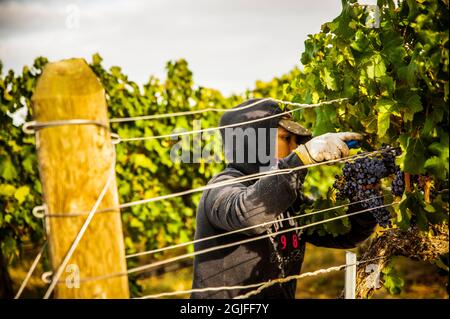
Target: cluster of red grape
360,181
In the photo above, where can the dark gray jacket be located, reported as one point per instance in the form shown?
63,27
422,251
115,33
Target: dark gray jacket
250,203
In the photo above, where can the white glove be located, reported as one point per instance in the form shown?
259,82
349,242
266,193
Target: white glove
326,147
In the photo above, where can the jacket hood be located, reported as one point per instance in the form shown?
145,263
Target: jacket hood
250,148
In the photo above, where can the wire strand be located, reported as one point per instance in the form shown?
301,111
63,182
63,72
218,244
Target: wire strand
176,114
30,271
153,251
144,267
33,126
210,109
218,184
181,292
211,249
260,284
242,179
300,276
304,106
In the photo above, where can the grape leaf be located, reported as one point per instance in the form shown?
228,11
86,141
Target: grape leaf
7,169
384,107
376,67
414,159
413,106
324,120
328,79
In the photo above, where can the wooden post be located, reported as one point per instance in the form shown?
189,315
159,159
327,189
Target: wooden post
74,165
350,275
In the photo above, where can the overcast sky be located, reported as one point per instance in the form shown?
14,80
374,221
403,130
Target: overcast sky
229,44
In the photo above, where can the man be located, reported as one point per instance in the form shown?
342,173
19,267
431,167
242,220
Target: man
262,200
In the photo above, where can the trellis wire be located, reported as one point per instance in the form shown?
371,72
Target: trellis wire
30,271
152,137
211,109
207,250
259,285
218,184
307,274
154,251
32,126
184,113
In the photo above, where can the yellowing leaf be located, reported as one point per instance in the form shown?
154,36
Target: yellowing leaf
140,160
315,97
384,120
21,193
376,67
7,190
328,79
384,108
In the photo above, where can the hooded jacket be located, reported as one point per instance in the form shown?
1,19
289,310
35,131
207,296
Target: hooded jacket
250,203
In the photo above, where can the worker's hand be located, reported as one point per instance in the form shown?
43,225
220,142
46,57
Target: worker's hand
326,147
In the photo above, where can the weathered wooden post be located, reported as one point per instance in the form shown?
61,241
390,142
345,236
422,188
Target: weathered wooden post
74,164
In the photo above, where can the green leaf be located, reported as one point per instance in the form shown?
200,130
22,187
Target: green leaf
414,159
7,169
413,204
96,59
124,189
436,213
376,67
413,106
136,223
427,127
387,86
308,54
437,167
361,43
348,86
438,164
393,48
28,164
404,213
421,216
9,245
391,279
409,73
393,284
140,160
324,122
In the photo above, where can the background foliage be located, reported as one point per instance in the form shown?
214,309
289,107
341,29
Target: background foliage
396,79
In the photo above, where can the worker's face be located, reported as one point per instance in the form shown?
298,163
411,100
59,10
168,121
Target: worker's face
286,142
